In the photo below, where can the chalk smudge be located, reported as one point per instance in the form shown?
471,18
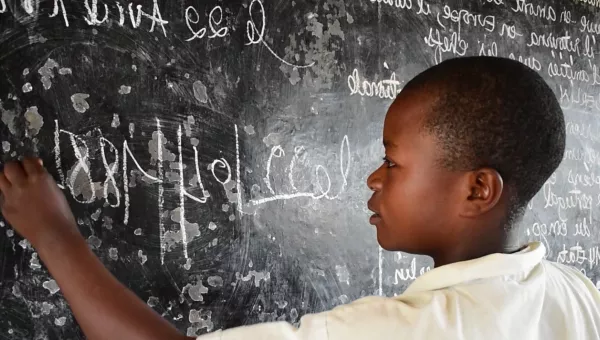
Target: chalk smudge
51,286
33,120
80,103
125,89
200,92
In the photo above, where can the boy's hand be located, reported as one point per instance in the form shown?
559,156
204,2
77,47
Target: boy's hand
33,204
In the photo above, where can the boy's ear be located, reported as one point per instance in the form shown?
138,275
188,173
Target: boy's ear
483,190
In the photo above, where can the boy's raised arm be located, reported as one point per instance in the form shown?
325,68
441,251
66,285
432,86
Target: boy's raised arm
105,309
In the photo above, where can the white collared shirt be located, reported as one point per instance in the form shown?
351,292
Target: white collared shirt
499,296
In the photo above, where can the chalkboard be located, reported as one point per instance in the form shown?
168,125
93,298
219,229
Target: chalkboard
215,153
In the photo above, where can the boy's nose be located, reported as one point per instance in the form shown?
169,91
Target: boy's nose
375,182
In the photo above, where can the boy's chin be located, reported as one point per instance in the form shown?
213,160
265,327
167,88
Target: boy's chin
386,243
390,244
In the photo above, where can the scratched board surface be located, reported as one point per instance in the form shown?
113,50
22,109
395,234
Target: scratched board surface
215,152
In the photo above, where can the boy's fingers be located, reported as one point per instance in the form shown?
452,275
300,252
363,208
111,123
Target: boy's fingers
32,166
14,173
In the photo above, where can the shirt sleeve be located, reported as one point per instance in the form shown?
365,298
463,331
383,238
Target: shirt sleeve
421,316
312,327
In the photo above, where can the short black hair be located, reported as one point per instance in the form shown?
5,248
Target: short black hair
498,113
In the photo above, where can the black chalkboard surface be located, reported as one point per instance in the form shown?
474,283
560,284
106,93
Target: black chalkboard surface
215,152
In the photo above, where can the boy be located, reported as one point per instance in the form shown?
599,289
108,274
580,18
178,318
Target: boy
467,144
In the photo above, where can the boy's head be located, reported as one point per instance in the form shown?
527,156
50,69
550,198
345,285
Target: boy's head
468,143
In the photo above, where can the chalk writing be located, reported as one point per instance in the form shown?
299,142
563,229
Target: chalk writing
585,180
565,16
595,3
556,228
576,98
573,200
589,43
319,172
587,156
568,71
215,19
490,50
541,11
510,31
577,255
161,190
410,273
92,18
549,40
462,16
582,228
443,43
59,6
388,88
589,26
532,62
256,36
402,4
111,170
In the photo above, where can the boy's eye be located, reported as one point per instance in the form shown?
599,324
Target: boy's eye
388,162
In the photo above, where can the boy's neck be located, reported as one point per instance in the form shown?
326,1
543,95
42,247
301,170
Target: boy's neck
473,246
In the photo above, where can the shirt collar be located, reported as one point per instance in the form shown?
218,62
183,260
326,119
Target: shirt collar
484,267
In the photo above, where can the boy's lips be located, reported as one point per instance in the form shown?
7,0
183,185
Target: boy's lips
375,219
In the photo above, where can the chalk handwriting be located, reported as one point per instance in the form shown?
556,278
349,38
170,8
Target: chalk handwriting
573,200
549,40
462,16
595,73
402,4
584,180
587,156
490,50
578,255
215,19
59,6
81,151
92,18
510,31
595,3
576,98
589,26
256,36
443,43
410,273
181,196
589,43
424,8
192,17
28,6
111,170
320,173
532,62
541,11
565,16
156,18
582,229
567,71
161,190
556,228
388,88
57,155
